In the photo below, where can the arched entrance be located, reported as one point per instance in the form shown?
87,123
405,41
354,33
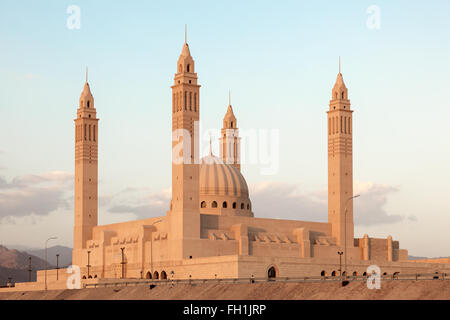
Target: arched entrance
156,275
271,273
163,275
148,275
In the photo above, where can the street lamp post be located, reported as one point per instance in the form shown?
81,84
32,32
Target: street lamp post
123,263
57,266
29,269
345,233
88,264
46,263
340,263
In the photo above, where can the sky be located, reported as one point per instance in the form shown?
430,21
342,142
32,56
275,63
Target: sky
280,62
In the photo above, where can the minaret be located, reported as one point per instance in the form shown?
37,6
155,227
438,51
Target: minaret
229,140
185,207
86,168
340,164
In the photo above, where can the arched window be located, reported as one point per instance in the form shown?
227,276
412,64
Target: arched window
344,273
84,277
323,273
88,103
214,204
342,94
355,274
148,275
234,205
224,204
365,274
187,68
231,124
190,100
89,132
163,275
195,101
345,124
95,277
333,274
85,136
185,100
90,277
242,206
341,124
155,275
203,204
271,273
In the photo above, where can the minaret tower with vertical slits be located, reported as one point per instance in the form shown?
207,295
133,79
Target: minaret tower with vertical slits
86,170
340,164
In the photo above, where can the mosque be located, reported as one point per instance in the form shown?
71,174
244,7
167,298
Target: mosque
210,230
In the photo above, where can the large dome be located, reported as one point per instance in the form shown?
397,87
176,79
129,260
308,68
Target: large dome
218,178
222,186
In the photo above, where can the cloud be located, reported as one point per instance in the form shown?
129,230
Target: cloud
287,201
35,194
139,201
370,207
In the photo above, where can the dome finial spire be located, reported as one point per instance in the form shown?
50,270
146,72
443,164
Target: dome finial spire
210,145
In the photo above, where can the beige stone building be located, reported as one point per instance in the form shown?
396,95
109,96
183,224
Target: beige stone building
210,230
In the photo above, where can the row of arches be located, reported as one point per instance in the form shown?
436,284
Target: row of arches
214,204
90,277
342,95
335,273
156,275
88,103
342,126
89,132
188,101
180,68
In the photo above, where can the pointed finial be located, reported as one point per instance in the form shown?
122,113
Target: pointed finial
185,33
339,64
86,74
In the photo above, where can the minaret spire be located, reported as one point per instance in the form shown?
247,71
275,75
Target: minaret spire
229,97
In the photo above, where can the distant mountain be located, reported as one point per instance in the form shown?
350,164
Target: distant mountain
65,255
416,258
15,264
420,258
